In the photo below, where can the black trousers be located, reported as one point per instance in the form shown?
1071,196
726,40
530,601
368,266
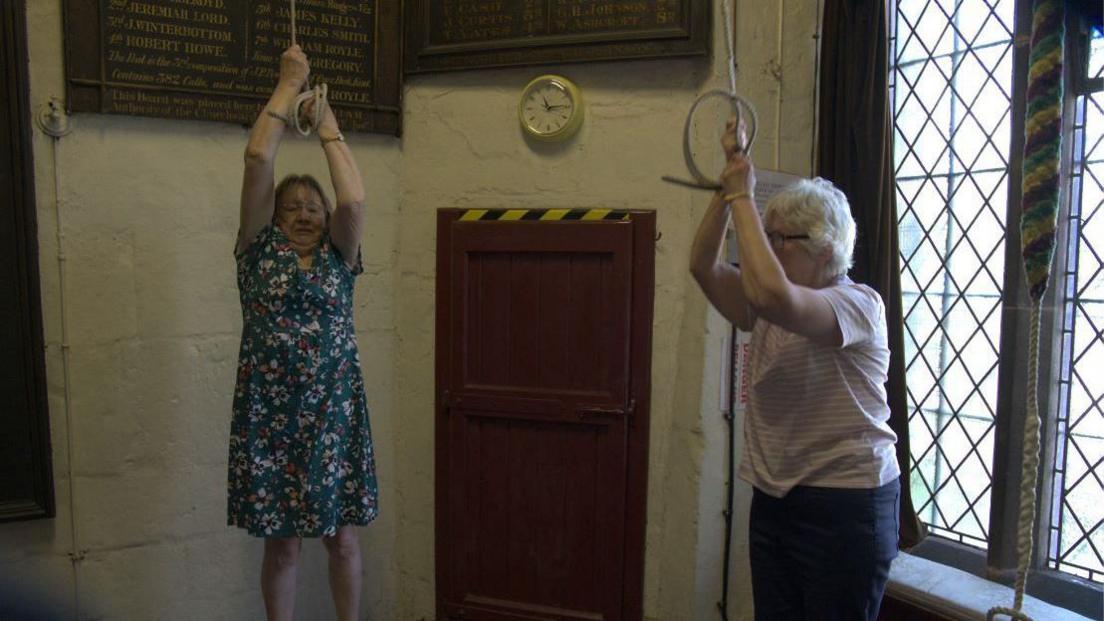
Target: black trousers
822,553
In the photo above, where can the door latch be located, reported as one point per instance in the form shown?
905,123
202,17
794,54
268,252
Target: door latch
589,412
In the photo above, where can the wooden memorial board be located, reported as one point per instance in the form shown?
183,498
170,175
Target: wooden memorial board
443,35
219,60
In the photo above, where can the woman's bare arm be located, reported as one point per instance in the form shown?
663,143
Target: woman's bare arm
347,223
258,181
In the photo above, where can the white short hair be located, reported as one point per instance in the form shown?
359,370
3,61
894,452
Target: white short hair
819,209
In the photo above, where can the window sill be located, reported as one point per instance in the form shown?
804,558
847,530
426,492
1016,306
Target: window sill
958,595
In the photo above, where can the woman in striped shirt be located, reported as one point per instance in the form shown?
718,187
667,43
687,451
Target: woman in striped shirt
818,449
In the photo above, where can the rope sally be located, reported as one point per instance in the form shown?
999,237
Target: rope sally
740,108
1043,133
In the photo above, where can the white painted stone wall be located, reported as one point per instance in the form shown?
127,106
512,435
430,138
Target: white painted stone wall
776,49
146,216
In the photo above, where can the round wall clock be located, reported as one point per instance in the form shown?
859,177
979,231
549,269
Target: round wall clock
551,108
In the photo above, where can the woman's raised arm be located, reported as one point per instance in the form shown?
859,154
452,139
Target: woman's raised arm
719,281
347,222
258,181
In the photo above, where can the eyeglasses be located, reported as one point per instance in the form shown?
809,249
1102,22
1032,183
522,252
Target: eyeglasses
313,209
778,240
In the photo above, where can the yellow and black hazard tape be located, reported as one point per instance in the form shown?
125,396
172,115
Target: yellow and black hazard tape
543,215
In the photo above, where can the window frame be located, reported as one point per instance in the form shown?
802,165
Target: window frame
999,561
1078,84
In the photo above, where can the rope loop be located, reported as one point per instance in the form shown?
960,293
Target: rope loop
1011,613
295,117
741,109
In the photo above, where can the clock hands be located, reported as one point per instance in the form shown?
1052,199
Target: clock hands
550,107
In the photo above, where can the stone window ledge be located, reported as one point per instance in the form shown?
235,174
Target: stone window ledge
958,595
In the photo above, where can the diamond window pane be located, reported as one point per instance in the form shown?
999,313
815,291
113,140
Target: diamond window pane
1076,540
952,74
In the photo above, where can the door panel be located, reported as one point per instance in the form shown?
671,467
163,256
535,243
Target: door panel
543,333
550,295
541,317
525,515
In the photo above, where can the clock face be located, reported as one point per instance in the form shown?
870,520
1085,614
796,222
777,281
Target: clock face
549,109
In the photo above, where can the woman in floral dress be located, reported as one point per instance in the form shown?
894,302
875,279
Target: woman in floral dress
301,462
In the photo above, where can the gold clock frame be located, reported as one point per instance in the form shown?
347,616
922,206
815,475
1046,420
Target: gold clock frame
574,122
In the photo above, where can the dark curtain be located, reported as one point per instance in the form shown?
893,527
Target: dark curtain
855,151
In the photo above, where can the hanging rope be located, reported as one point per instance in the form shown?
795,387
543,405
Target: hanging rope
1042,148
740,108
726,16
293,43
318,94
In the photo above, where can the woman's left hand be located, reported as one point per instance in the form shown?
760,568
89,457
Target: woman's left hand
739,174
327,127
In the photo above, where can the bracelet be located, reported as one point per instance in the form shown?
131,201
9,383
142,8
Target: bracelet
277,115
339,137
728,198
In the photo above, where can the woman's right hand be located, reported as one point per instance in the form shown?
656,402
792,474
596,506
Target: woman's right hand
294,68
739,173
734,137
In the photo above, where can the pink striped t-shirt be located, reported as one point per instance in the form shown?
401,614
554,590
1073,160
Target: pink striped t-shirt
817,414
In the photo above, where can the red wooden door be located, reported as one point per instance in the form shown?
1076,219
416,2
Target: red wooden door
543,363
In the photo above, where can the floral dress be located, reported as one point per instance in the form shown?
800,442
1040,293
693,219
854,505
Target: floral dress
301,461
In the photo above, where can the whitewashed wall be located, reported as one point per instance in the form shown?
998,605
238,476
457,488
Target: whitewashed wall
145,219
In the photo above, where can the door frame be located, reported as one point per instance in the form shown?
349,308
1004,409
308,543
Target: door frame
639,382
20,187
